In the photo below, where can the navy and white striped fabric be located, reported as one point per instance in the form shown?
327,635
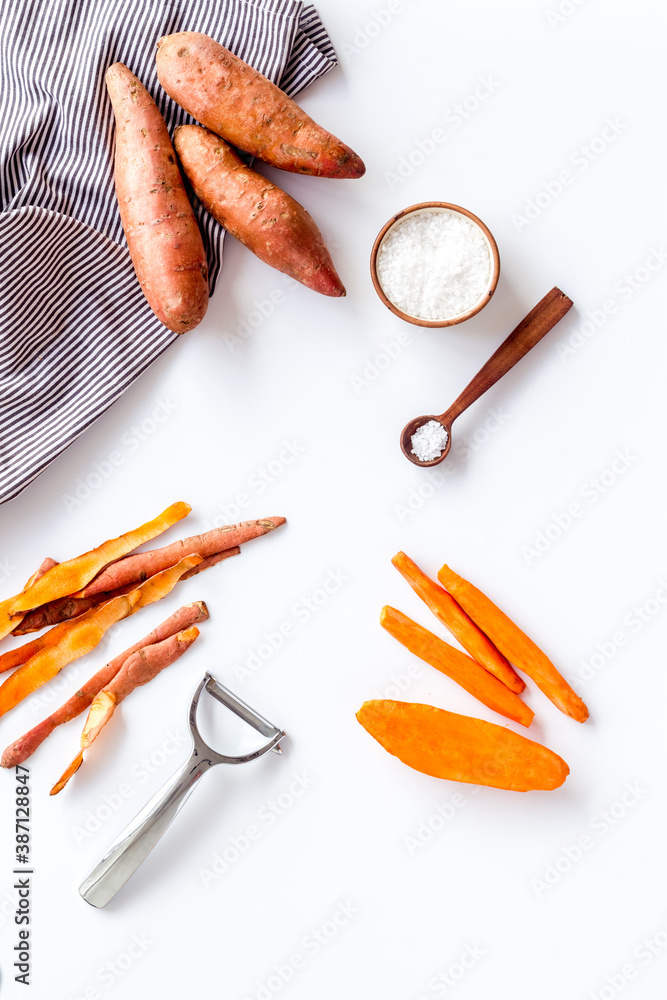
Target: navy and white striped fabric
75,329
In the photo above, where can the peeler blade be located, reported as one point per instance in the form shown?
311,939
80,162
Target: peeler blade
242,709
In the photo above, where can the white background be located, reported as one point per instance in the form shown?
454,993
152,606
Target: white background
493,882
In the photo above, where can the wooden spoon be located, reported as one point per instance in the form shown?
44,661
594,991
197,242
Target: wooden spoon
527,334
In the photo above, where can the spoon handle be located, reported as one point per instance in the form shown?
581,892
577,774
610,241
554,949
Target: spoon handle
525,336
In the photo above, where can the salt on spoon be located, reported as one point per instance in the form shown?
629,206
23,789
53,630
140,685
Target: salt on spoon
523,338
429,441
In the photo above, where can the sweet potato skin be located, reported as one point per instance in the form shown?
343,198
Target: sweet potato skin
260,215
242,106
162,233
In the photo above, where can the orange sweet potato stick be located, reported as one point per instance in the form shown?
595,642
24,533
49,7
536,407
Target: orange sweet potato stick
137,567
65,608
75,639
454,618
514,644
25,746
139,668
66,577
461,748
461,668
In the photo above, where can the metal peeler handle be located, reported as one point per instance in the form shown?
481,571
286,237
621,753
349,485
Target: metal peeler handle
140,836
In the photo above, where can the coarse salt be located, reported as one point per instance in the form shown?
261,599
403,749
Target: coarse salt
434,264
429,441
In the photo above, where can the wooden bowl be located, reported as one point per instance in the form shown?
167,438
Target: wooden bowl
493,251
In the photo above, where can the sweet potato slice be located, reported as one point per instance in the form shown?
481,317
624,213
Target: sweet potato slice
238,103
514,644
468,673
461,748
454,618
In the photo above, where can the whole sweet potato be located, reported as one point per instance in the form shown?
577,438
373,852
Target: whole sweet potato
238,103
162,233
261,216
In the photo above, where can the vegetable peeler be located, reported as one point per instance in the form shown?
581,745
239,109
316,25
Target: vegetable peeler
136,841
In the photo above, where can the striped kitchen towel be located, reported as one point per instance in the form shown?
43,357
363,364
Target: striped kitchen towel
75,329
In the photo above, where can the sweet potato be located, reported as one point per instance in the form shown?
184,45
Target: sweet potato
239,104
260,215
461,748
162,233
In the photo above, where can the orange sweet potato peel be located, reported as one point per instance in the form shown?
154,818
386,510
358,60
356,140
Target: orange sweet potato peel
67,577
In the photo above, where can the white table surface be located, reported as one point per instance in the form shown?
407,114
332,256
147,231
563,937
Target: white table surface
364,878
